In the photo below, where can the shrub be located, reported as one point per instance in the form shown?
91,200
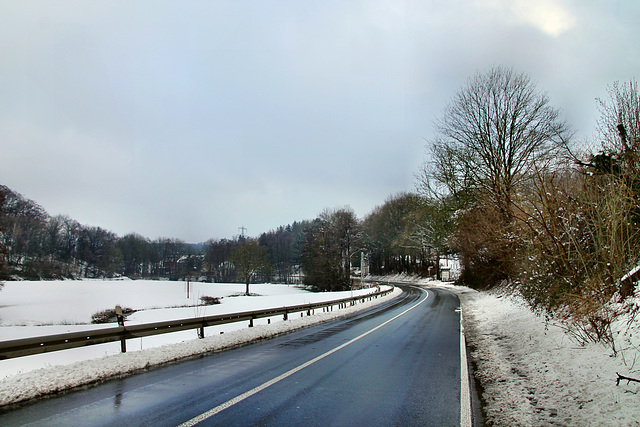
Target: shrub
109,315
579,238
207,300
484,243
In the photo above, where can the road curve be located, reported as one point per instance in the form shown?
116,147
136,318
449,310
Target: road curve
395,364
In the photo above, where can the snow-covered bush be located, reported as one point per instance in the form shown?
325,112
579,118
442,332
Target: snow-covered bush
580,228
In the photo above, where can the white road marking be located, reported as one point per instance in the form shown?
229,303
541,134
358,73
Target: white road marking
465,394
279,378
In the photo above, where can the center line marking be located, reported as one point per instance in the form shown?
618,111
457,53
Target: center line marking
243,396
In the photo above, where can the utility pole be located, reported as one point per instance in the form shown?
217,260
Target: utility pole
362,269
242,230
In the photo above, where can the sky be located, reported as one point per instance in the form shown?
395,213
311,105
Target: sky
189,119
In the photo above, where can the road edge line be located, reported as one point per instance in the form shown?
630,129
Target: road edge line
465,391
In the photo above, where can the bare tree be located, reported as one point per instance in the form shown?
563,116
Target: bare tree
619,123
490,136
249,258
327,249
388,235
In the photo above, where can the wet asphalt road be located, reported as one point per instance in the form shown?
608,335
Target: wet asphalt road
396,364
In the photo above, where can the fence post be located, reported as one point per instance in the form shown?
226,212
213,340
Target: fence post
120,319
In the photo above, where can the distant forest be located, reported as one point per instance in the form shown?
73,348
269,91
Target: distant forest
323,252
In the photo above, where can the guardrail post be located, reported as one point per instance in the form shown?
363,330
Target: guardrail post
286,316
201,332
251,322
120,320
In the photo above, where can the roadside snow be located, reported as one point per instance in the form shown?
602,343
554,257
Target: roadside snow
535,374
32,376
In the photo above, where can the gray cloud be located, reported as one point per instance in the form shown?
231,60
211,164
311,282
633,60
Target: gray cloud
190,119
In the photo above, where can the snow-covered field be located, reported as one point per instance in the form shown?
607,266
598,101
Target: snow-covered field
534,374
41,308
71,302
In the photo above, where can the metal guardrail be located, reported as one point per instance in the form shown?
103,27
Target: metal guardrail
44,344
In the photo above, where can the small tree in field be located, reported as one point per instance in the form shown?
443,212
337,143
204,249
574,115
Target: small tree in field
249,258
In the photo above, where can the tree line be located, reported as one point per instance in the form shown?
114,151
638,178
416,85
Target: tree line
322,253
37,246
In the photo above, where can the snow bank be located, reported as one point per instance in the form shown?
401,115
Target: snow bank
533,373
43,381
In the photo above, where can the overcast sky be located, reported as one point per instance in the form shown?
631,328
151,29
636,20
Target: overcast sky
189,119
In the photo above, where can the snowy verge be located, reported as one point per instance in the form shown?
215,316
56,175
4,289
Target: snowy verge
533,373
47,381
